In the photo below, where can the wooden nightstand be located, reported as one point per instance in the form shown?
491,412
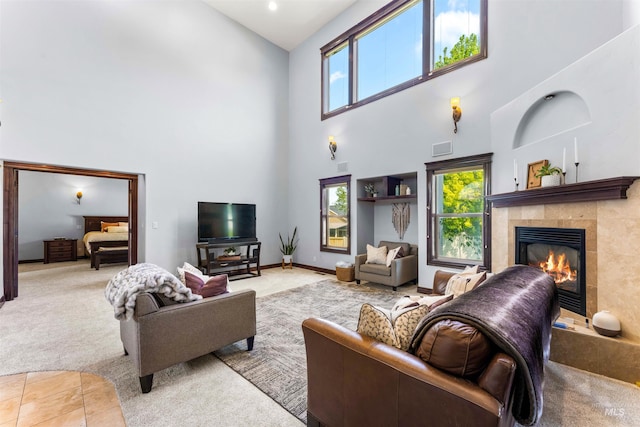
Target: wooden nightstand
58,250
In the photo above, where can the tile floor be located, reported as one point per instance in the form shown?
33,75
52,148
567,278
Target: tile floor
59,398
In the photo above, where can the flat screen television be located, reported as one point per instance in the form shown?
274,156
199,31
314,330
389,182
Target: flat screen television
222,222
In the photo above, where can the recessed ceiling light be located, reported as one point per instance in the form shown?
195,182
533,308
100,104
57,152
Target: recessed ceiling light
273,5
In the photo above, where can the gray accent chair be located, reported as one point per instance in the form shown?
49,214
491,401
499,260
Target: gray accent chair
401,271
163,333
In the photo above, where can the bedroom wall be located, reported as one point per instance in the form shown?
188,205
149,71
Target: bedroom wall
48,207
529,41
174,91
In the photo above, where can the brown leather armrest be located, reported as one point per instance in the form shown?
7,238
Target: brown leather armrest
440,280
497,378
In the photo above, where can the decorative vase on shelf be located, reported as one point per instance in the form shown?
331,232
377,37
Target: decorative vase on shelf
550,180
605,323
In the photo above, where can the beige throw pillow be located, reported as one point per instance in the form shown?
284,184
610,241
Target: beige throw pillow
376,255
392,254
463,282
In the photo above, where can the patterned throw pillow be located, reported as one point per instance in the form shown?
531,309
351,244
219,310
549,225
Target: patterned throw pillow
393,328
376,255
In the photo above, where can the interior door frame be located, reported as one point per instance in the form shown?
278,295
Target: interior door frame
10,215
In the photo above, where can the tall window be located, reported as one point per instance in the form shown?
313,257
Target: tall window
335,214
459,220
405,43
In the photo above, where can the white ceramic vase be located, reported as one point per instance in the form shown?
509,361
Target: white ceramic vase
287,258
605,323
550,180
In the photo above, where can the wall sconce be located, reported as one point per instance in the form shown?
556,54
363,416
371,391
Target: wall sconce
79,196
457,112
333,147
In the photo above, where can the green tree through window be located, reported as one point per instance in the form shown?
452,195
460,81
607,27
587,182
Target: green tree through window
462,193
465,47
459,221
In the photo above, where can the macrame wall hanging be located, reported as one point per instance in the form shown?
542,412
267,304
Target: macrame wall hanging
400,218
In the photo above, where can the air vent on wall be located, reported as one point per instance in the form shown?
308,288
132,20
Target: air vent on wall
441,148
343,166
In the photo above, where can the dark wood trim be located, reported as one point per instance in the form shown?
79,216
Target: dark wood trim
440,166
312,268
2,301
330,181
10,211
590,191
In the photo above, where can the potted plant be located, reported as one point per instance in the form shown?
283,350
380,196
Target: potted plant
289,247
369,188
230,251
549,175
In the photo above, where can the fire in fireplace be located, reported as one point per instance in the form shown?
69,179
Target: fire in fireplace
559,252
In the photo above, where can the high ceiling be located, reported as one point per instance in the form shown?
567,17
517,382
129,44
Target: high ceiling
287,26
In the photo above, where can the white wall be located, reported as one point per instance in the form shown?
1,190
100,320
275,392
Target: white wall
528,42
48,208
172,90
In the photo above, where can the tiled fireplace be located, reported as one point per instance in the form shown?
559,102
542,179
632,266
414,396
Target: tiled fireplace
605,270
559,252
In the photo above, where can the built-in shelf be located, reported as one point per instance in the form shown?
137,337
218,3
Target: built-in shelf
387,198
604,189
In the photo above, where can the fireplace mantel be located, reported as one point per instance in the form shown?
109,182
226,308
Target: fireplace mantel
590,191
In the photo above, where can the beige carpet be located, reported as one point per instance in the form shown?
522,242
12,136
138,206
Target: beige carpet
62,321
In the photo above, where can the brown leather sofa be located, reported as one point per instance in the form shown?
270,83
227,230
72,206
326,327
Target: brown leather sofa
163,333
401,271
354,380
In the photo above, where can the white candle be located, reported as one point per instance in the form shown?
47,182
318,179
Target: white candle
515,170
564,159
575,149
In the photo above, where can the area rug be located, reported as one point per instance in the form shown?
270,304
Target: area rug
277,365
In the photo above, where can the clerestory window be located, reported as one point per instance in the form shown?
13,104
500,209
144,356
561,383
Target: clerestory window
459,219
405,43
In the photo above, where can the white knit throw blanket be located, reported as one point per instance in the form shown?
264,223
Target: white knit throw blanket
123,288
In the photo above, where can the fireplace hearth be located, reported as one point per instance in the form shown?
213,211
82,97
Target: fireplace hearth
560,252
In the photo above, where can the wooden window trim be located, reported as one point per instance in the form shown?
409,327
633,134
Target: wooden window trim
482,160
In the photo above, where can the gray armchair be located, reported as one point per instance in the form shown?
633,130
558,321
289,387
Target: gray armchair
401,271
159,336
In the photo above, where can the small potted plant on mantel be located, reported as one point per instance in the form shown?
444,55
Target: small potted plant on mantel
289,247
549,175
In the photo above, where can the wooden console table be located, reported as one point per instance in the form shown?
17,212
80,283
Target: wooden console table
211,260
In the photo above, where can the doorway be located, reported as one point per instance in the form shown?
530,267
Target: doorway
10,218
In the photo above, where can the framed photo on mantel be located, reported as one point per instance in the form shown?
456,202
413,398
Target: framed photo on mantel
534,181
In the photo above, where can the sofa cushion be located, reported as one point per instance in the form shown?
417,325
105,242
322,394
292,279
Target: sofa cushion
392,327
376,255
455,347
380,270
215,285
190,268
463,282
392,254
406,247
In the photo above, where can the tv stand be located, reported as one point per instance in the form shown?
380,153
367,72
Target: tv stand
211,258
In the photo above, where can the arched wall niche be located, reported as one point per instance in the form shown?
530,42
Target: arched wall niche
551,115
